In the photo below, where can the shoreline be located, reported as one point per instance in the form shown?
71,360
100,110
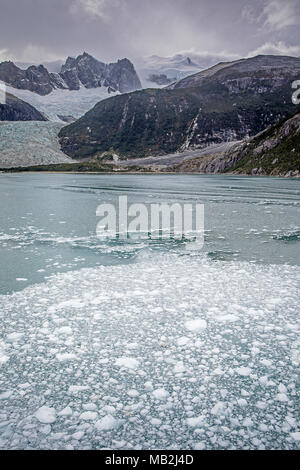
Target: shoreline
152,173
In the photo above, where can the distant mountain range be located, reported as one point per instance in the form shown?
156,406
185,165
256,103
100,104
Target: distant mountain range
82,71
227,102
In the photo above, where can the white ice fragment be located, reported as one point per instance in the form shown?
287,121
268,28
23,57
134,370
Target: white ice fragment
160,394
64,330
74,389
46,429
183,340
244,371
199,446
127,362
5,395
218,409
89,416
196,325
46,415
106,423
14,337
296,435
65,412
63,357
281,397
155,421
195,421
242,402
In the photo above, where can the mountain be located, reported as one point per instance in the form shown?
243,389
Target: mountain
17,110
174,68
84,71
35,78
227,102
275,152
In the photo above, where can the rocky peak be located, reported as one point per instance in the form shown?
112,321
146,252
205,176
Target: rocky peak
83,70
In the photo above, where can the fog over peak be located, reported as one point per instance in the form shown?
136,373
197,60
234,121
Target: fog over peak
38,31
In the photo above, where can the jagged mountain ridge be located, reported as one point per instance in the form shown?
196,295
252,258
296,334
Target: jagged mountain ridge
15,109
230,101
84,70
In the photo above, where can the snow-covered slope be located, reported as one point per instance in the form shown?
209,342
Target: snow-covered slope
30,143
63,102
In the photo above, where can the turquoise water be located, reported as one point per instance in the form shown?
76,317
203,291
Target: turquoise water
139,343
48,222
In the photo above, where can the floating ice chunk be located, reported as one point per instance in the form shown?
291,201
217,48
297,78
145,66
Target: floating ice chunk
195,421
89,415
266,362
63,357
90,407
46,415
127,362
155,421
196,325
247,422
242,402
106,423
133,393
74,389
65,412
296,435
160,394
281,397
3,357
218,371
5,395
148,386
64,330
183,340
78,435
218,409
230,317
199,446
244,371
45,429
179,367
282,388
14,337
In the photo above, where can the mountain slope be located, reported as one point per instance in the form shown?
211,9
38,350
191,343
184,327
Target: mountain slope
17,110
84,70
275,151
227,102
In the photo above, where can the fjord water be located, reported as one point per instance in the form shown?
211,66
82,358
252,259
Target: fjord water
140,343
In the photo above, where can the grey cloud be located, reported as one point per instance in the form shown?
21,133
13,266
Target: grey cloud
41,30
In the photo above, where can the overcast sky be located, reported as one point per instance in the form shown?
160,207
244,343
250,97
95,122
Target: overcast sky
41,30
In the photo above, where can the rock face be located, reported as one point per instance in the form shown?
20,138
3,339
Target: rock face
84,70
275,152
17,110
228,102
159,79
36,79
